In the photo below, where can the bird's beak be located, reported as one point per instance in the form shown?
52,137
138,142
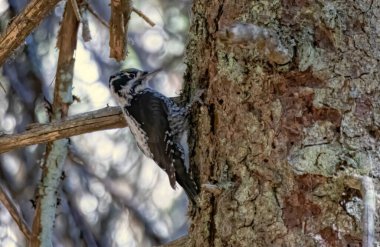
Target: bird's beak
150,74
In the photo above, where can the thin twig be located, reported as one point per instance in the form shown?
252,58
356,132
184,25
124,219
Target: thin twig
142,15
2,87
74,4
118,197
14,212
100,19
80,221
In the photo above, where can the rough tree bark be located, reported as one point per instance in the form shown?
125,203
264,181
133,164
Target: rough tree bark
289,145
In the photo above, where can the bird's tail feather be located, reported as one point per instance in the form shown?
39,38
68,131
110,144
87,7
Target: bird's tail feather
189,186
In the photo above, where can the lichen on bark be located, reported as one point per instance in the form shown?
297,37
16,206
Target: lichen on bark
288,138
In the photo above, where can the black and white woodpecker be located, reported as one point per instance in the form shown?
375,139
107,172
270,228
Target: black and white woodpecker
157,123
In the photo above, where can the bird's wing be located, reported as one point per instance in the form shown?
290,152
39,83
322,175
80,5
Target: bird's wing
151,112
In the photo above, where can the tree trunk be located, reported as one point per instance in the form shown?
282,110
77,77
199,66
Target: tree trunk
284,147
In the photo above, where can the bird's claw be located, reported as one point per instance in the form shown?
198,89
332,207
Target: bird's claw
197,97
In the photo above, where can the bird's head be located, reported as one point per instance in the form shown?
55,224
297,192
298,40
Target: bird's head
128,82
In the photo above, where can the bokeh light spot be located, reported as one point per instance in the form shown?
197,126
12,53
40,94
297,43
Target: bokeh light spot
88,203
152,41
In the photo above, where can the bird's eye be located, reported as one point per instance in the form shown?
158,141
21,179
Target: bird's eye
131,75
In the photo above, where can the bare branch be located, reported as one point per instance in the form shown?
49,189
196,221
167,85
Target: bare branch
120,14
80,14
23,25
56,152
78,217
75,7
97,16
137,11
142,15
86,34
117,31
103,119
14,212
2,87
117,196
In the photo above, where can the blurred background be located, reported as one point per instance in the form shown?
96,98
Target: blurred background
111,194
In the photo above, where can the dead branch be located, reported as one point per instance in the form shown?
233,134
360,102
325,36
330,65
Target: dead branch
96,15
23,25
56,152
86,34
80,221
103,119
120,14
102,21
8,202
117,31
144,17
75,7
117,196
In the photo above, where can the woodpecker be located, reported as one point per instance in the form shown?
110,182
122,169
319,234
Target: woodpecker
157,123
